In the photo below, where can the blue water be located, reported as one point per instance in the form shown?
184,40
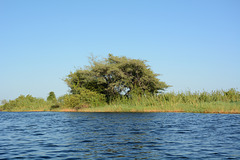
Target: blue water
53,135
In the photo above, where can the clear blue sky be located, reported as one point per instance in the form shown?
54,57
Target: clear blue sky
194,44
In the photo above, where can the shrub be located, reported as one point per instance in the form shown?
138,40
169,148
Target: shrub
83,99
232,94
55,106
24,102
51,97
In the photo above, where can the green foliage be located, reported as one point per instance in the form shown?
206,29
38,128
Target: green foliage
204,97
115,76
232,94
83,98
55,106
86,100
25,103
173,99
52,97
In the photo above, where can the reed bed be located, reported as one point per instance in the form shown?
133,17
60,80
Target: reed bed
219,101
197,102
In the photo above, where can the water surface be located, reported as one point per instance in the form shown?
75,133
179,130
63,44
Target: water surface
54,135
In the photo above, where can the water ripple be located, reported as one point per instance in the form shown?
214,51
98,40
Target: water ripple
49,135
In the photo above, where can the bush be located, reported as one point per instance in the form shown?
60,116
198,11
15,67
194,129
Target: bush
83,99
232,95
25,102
51,97
55,106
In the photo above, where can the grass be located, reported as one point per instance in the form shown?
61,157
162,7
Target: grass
197,102
212,107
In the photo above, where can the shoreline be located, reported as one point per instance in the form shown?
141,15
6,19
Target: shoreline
146,111
218,102
206,107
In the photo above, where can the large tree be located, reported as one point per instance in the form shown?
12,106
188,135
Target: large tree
114,76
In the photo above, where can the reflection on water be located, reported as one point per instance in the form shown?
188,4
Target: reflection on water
42,135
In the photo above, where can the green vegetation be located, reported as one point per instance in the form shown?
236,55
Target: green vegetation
115,77
52,97
198,102
120,84
83,98
26,103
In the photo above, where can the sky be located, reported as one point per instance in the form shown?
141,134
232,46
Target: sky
193,44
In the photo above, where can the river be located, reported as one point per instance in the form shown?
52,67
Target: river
65,135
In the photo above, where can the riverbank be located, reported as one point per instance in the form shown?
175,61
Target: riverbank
197,102
211,107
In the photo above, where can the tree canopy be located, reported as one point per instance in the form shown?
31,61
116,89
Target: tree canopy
116,76
51,97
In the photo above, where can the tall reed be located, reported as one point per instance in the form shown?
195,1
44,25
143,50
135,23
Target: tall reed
183,101
218,101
